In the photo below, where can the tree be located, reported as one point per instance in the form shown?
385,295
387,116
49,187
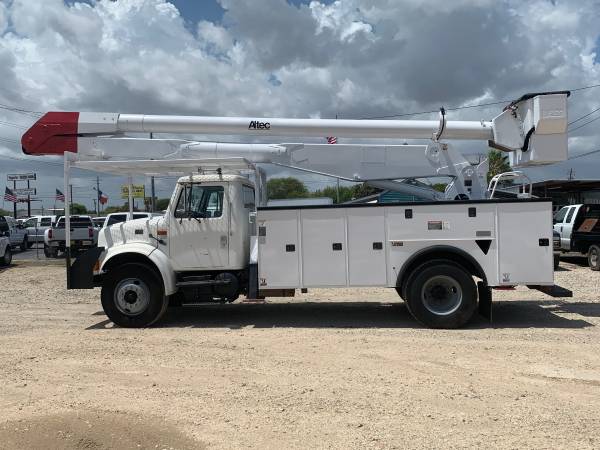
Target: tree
162,203
281,188
498,163
4,212
346,193
78,208
440,187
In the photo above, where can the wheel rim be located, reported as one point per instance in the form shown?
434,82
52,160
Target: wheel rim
132,296
441,295
594,257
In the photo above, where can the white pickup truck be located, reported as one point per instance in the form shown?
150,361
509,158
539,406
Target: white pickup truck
83,235
5,252
16,233
564,221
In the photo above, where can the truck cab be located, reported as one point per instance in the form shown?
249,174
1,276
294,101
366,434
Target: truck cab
200,247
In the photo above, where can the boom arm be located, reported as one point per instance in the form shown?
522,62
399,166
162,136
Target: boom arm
532,129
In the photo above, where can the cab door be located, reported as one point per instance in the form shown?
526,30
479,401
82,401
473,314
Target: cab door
199,228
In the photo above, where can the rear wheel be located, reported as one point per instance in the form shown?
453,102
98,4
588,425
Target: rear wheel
7,258
442,295
24,244
594,257
133,296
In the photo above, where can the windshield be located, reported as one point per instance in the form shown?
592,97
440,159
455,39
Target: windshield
76,222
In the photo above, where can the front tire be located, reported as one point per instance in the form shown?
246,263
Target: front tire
7,258
133,296
442,295
594,257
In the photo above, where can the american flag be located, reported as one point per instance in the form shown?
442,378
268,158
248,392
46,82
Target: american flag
60,196
9,196
331,140
102,197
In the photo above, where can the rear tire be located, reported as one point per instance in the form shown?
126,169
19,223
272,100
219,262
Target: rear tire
6,260
133,296
556,260
24,245
441,295
594,257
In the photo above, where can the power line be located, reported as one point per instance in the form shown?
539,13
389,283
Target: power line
584,116
457,108
584,154
583,125
26,112
10,124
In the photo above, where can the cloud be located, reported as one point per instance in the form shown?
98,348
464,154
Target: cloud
273,58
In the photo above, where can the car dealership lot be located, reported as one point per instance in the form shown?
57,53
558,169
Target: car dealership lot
331,368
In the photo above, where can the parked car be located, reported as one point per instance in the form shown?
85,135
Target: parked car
36,226
113,218
5,250
98,222
83,236
17,234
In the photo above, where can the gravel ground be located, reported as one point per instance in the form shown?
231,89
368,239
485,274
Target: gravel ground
328,369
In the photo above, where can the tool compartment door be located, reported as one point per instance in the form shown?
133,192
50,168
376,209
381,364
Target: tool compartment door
525,253
278,249
324,247
366,247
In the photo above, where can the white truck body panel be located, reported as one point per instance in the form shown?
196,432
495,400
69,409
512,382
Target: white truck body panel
339,246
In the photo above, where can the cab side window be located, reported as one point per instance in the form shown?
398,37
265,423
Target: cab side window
560,215
248,198
200,202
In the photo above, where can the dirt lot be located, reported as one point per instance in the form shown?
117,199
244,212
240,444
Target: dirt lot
330,369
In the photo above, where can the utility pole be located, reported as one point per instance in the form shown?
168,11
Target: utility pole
15,203
28,201
152,193
97,202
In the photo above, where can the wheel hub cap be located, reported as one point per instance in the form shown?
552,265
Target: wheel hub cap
441,295
132,296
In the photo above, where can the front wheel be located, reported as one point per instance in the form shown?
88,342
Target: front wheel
594,257
442,295
7,258
133,296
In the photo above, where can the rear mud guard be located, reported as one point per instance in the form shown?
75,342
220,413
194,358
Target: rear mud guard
80,274
485,300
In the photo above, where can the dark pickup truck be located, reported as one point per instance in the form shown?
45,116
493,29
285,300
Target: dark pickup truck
585,237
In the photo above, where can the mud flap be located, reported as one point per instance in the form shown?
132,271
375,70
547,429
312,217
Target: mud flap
80,274
485,300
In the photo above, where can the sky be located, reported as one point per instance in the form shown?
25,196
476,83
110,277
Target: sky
281,58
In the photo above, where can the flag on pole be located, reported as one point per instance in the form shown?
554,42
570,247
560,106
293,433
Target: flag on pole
331,140
10,196
60,196
102,197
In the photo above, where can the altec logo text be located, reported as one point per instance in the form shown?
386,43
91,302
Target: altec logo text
258,125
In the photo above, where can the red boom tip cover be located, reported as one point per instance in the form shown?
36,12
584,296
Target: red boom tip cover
54,134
